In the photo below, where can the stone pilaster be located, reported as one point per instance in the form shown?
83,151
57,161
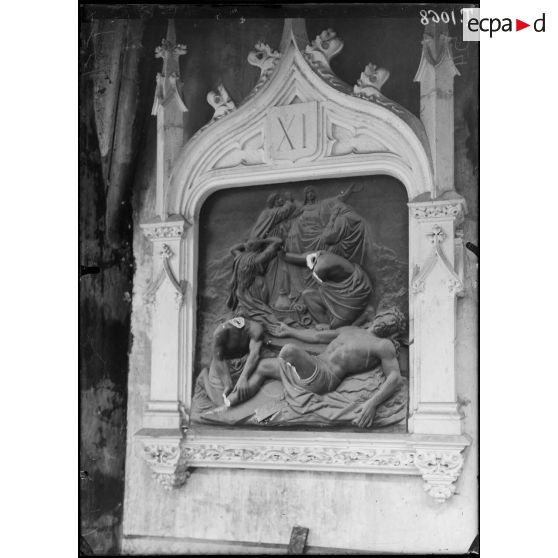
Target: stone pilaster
436,282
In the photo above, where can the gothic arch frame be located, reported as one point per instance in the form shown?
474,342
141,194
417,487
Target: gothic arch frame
352,136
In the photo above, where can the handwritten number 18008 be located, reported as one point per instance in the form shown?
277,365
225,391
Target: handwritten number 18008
427,16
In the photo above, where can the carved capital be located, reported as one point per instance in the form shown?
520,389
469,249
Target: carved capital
171,230
435,211
221,102
439,470
167,462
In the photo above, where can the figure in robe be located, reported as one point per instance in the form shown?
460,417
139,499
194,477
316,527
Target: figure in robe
248,290
340,292
271,220
330,225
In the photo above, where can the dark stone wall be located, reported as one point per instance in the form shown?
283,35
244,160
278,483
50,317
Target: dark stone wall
114,186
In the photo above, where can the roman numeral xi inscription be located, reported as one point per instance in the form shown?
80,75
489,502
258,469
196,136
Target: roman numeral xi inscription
293,131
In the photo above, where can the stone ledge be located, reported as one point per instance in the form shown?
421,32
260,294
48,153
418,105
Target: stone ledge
437,458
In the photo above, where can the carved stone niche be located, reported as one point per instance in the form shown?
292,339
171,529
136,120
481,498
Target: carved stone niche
301,124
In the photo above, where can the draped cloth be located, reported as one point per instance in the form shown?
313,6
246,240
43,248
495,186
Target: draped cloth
341,406
288,403
347,299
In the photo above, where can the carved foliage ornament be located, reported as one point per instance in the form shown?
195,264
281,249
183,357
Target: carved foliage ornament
167,462
433,211
266,60
439,469
318,54
369,87
221,102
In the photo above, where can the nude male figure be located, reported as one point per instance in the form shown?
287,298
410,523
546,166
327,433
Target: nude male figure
351,350
232,339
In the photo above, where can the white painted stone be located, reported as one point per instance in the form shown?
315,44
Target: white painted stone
243,481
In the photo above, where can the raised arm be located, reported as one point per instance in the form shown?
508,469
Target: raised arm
270,250
390,368
256,342
307,335
240,247
218,364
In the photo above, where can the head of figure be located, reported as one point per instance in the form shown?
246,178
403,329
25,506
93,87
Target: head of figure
289,196
274,200
309,195
390,322
311,260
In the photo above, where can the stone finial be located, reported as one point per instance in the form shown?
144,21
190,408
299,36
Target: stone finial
294,30
263,57
168,81
325,46
170,51
436,51
371,81
221,102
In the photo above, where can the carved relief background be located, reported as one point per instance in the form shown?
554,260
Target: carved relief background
228,217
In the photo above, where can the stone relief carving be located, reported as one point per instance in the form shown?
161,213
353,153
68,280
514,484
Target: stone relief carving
396,459
164,231
266,59
247,152
171,463
172,472
166,271
221,102
167,461
319,53
437,257
433,211
346,140
369,87
300,294
440,471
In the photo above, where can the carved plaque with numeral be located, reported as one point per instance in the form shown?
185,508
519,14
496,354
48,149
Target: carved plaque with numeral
292,131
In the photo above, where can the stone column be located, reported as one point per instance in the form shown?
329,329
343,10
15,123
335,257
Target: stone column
436,73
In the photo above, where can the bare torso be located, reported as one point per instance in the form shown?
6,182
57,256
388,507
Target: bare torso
355,350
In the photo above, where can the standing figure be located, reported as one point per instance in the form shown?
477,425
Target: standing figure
341,290
271,220
248,290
